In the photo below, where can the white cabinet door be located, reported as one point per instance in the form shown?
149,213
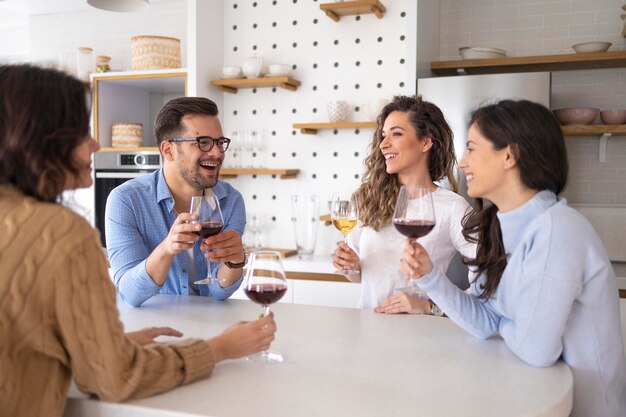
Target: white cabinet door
326,293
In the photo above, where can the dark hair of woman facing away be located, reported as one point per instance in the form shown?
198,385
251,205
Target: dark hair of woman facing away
44,115
536,140
379,191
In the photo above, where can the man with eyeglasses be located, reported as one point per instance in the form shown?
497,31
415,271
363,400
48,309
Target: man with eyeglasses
153,245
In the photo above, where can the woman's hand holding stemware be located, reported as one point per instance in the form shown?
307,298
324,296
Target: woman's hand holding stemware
345,258
244,338
415,260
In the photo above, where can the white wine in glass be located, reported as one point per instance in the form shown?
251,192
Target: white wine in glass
207,207
344,214
265,283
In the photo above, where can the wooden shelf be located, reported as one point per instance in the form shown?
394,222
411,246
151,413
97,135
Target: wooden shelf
326,219
312,128
565,62
593,130
603,131
232,85
283,173
347,8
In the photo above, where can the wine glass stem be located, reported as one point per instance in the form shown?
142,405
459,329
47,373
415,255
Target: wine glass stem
266,310
209,273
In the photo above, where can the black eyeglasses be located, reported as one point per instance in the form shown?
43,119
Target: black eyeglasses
206,143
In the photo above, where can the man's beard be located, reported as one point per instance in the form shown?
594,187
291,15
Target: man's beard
193,177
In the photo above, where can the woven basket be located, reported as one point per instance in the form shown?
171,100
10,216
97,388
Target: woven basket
154,52
126,135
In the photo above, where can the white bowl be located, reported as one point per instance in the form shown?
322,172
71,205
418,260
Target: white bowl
586,47
278,69
481,52
231,72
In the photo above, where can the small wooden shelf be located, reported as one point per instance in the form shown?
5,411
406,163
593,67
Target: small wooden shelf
283,173
312,128
593,130
232,85
326,219
603,131
347,8
564,62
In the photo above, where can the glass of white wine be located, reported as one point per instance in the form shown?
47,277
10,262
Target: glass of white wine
344,213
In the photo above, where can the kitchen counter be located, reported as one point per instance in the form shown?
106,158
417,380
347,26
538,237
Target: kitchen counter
345,362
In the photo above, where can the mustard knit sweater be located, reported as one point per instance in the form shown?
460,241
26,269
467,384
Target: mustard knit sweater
58,318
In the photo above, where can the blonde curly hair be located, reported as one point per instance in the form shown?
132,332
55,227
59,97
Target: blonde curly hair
378,191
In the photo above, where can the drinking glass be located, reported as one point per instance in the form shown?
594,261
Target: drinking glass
414,217
344,213
265,284
207,207
305,219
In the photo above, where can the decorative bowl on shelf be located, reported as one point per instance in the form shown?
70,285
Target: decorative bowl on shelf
576,115
276,70
613,116
587,47
481,52
230,72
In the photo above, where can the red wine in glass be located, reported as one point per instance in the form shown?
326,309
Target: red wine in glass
414,217
265,283
265,294
210,229
413,229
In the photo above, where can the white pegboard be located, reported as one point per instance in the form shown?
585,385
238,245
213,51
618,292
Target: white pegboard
357,59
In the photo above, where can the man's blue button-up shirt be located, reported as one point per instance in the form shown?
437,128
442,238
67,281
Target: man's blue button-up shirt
139,214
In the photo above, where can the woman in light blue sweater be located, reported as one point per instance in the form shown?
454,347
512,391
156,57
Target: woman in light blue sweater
545,283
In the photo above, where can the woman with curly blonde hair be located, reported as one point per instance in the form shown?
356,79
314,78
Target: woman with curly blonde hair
412,145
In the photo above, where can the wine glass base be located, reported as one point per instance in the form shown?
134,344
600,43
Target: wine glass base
266,357
413,291
207,281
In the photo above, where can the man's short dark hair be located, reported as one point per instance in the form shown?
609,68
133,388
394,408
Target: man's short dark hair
168,123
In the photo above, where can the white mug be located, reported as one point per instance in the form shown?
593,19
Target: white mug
338,110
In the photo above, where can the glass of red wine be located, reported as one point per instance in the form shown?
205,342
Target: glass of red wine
414,217
265,284
207,207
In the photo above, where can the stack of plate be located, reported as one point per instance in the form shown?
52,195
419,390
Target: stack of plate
481,52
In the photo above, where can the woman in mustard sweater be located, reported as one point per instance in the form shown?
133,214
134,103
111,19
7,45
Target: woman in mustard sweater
58,314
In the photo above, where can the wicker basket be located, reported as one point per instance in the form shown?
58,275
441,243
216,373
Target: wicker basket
154,52
126,135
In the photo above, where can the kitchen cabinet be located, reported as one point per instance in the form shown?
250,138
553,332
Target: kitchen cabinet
346,8
312,128
233,84
133,96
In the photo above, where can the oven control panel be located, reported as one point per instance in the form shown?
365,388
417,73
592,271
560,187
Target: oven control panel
139,160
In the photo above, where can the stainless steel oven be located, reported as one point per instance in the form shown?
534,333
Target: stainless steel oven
114,168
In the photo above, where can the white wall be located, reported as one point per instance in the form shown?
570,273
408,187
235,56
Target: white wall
531,27
108,33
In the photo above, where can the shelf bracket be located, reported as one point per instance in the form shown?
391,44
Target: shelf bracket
288,86
306,131
602,147
227,89
332,15
379,13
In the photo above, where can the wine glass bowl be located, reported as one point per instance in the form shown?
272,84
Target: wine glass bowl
265,283
414,217
344,214
207,208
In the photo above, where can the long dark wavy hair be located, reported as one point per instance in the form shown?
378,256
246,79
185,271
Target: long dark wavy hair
44,115
378,192
535,138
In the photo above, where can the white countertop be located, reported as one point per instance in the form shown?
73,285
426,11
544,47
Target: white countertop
344,362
